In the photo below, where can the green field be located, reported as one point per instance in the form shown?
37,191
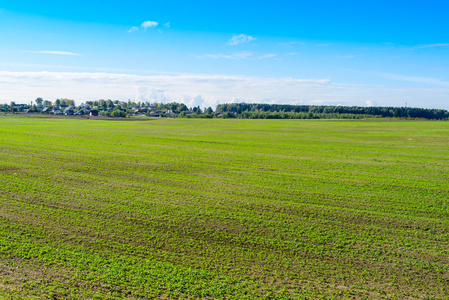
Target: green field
227,209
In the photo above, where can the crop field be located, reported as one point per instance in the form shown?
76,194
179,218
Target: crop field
223,209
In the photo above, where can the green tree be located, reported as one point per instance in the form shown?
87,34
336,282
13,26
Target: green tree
228,115
118,114
397,113
172,106
183,107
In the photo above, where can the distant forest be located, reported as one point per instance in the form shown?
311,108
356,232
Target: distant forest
281,111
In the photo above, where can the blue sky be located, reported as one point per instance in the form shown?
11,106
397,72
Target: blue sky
204,53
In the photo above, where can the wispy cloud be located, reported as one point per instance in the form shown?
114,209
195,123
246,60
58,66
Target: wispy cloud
439,68
292,44
433,45
167,25
240,39
423,80
203,90
209,90
53,52
269,55
292,53
345,56
86,69
134,28
149,24
415,79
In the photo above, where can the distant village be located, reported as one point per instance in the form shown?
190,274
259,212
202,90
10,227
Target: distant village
107,108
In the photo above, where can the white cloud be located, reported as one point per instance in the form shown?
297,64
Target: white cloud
149,24
291,44
292,53
203,90
370,103
269,55
408,78
167,25
240,39
439,68
209,90
345,56
423,80
53,52
134,28
433,45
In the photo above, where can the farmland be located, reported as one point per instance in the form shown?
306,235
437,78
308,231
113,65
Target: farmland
227,209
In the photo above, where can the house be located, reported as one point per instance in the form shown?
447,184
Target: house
57,112
46,110
83,105
19,107
93,113
140,109
68,111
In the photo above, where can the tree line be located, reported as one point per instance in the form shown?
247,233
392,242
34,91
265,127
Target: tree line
281,111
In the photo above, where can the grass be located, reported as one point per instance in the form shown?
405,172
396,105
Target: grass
226,209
